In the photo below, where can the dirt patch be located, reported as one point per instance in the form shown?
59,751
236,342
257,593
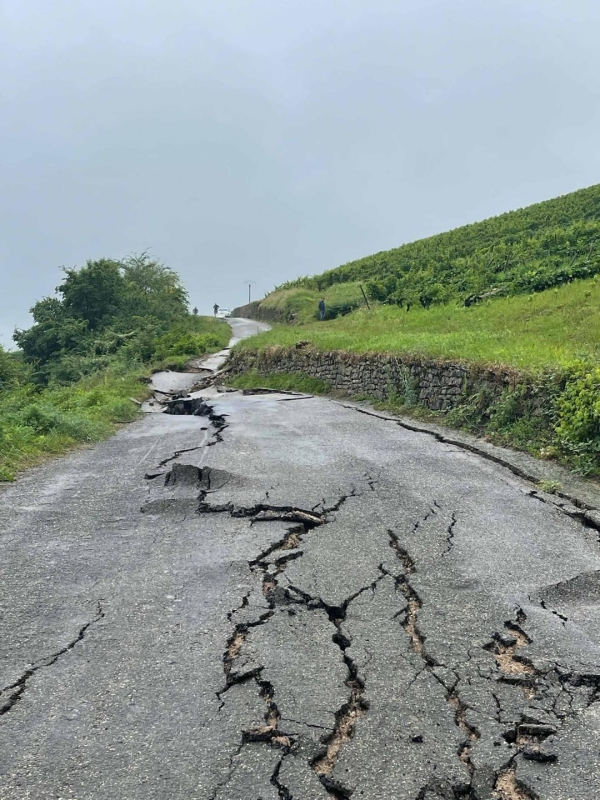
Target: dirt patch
460,719
508,788
505,647
344,730
233,648
410,625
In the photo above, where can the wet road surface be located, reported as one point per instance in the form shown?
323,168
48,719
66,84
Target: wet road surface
279,597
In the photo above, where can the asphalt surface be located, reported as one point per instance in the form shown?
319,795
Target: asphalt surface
279,597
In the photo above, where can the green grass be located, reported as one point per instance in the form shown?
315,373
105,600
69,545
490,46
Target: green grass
36,424
285,381
547,329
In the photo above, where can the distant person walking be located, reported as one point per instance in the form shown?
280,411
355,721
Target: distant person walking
322,309
215,309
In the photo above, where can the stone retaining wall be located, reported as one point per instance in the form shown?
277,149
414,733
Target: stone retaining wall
435,384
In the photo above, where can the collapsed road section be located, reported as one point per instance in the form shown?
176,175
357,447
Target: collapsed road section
298,602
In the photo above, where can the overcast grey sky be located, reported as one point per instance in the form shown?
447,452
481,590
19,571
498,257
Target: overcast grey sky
266,139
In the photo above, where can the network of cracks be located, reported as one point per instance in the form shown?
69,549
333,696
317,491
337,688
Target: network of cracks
496,708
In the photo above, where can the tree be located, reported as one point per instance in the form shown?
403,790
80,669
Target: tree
101,308
93,293
53,332
152,289
8,369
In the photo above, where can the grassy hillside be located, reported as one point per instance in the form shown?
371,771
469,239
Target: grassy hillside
520,252
549,329
300,305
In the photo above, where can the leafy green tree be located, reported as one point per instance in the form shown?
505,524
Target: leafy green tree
93,293
152,289
100,308
54,331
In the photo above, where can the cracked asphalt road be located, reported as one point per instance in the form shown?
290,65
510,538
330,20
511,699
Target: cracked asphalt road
293,600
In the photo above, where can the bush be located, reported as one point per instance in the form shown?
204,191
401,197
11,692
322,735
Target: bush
176,343
578,420
334,310
8,369
46,419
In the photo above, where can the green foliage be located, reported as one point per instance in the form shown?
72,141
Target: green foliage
524,251
300,306
408,394
53,333
93,293
38,422
578,418
10,369
101,308
334,310
44,418
549,486
184,343
152,290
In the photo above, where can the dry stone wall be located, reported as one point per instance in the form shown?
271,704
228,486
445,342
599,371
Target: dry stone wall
436,384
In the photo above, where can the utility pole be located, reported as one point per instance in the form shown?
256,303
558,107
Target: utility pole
249,289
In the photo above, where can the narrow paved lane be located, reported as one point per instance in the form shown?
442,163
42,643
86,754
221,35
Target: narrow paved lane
289,599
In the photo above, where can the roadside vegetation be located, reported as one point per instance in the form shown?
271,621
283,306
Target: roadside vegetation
79,368
520,290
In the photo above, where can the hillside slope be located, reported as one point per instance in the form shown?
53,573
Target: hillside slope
520,252
550,329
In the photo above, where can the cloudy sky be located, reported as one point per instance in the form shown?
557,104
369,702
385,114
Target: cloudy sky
265,139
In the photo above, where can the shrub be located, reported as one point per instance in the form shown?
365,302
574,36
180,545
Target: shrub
48,419
177,343
578,417
334,310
